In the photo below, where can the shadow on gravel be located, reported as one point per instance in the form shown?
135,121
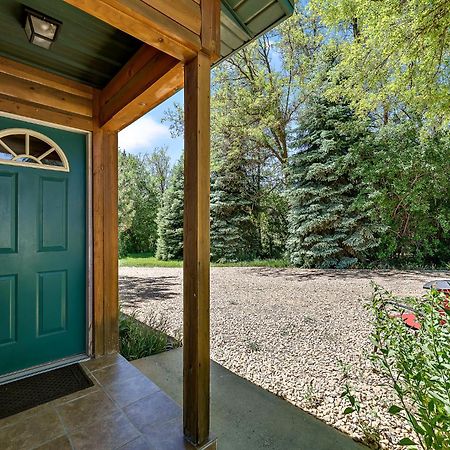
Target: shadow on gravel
135,291
357,274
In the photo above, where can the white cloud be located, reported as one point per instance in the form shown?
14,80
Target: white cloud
142,135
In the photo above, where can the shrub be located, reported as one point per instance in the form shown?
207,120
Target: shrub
138,340
417,366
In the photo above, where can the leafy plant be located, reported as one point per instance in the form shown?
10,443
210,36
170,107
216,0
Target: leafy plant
396,54
405,186
345,369
417,366
138,340
312,397
371,434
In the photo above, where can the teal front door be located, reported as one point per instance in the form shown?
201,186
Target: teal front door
42,245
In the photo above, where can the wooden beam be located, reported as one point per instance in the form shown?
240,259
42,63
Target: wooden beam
33,111
105,237
34,93
140,59
185,12
41,95
28,73
196,345
210,33
145,23
145,81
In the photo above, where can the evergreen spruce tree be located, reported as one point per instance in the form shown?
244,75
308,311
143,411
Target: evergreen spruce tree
233,233
170,217
326,226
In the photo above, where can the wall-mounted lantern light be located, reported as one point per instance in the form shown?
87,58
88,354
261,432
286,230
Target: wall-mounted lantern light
40,29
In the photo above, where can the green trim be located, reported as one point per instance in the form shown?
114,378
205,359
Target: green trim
226,8
288,6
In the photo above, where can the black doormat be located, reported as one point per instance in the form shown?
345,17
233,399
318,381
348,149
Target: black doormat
27,393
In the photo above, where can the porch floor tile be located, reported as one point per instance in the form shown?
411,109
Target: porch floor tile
123,410
243,415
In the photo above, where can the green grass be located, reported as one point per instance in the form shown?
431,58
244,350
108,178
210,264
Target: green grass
147,260
254,263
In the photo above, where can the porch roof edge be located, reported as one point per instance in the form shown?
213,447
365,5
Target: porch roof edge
244,21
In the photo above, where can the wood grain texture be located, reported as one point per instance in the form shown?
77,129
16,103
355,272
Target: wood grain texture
145,81
98,212
142,57
18,88
28,73
162,89
144,23
111,240
33,111
105,230
196,284
185,12
210,32
40,95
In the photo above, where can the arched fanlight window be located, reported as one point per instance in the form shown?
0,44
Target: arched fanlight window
22,147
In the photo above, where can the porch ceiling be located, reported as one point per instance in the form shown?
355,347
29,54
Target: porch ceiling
87,49
92,52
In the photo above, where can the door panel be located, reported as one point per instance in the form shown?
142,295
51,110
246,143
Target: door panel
51,302
53,214
8,304
43,256
8,212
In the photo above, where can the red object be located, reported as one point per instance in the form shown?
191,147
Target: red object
410,319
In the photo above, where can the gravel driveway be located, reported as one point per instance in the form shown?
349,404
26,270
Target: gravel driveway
301,334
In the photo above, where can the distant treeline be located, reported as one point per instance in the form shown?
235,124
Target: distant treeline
323,151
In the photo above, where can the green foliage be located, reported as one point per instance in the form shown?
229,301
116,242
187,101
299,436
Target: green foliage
325,140
370,433
416,365
395,55
406,182
170,217
137,205
273,223
233,234
137,340
159,165
326,229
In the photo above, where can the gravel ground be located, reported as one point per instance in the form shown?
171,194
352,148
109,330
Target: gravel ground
301,334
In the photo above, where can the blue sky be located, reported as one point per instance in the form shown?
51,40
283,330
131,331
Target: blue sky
148,132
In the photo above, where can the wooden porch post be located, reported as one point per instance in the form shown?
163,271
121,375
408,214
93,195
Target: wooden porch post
196,346
105,237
